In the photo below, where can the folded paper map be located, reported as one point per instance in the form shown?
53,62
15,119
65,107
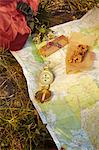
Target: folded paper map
72,115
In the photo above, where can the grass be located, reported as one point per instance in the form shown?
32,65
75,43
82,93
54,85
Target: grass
20,125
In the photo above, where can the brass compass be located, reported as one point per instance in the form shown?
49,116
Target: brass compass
46,78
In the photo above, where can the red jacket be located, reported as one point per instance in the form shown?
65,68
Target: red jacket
13,27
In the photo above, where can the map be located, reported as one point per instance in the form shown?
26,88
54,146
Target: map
72,114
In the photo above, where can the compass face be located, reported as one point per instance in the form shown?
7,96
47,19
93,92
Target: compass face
46,77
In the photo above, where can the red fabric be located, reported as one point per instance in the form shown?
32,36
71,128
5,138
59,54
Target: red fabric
13,27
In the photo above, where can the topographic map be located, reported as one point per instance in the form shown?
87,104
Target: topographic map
72,114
